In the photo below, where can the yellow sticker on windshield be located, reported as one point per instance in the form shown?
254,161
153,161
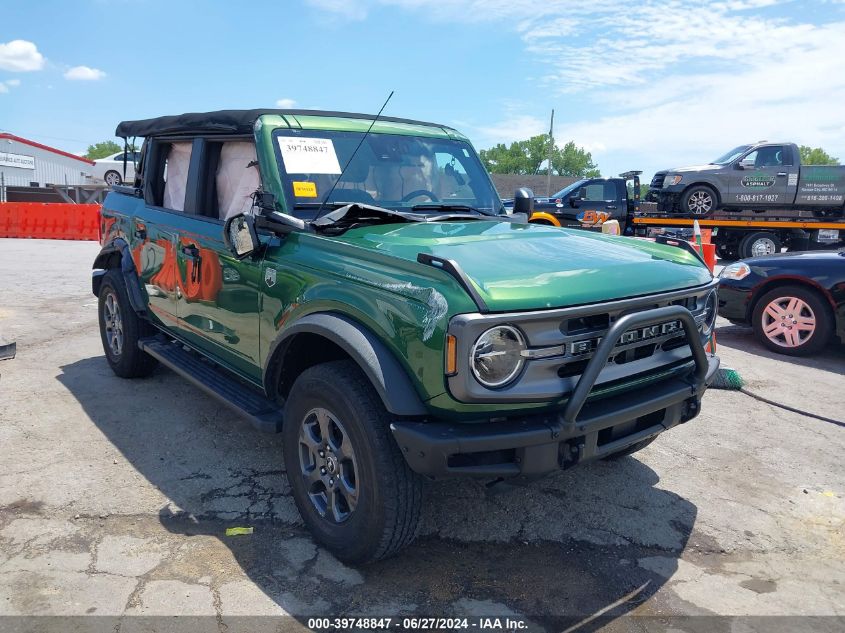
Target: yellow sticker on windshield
305,189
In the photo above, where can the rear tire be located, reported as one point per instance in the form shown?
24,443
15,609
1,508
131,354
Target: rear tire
759,244
700,200
121,328
792,320
336,424
112,178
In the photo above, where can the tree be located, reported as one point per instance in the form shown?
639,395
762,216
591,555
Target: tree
101,150
527,157
106,148
574,161
816,156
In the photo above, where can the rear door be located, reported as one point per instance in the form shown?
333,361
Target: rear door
153,238
219,302
764,178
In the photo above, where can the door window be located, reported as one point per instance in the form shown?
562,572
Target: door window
771,156
237,178
599,192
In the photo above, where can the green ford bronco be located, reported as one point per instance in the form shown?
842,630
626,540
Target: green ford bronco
355,283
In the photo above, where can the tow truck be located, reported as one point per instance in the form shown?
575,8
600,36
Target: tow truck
737,234
744,234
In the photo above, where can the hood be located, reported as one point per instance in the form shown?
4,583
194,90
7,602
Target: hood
796,257
681,170
529,266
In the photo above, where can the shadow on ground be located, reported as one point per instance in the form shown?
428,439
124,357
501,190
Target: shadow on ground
742,338
556,551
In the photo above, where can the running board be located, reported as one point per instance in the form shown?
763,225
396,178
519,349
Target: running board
264,414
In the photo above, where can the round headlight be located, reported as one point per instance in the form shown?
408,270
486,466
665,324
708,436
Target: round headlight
709,314
495,358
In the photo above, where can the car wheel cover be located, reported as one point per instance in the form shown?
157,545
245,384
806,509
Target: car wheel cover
788,322
328,465
113,324
763,246
112,178
700,202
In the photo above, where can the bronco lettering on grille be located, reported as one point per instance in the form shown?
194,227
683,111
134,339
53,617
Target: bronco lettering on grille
630,336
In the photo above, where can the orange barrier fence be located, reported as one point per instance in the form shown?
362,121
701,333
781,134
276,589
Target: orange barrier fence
50,220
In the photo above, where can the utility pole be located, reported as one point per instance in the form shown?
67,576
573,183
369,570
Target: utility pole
551,150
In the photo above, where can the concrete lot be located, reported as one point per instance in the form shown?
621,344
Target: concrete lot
115,494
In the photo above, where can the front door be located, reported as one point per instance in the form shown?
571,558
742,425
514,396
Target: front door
591,204
763,179
219,300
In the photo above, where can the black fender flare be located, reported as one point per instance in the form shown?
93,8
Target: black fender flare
378,363
116,254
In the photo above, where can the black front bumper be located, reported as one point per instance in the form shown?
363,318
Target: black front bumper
583,431
735,301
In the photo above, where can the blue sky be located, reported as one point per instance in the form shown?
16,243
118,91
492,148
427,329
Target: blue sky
665,83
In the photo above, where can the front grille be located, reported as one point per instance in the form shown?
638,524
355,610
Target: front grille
582,336
573,335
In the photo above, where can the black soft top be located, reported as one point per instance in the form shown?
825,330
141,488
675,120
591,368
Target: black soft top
228,122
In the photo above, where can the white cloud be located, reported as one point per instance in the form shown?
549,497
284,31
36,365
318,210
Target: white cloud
512,127
285,103
9,83
84,73
20,56
669,81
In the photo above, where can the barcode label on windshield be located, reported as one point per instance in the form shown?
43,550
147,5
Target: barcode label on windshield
309,155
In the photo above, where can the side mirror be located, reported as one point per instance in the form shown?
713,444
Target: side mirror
745,164
523,201
577,198
240,235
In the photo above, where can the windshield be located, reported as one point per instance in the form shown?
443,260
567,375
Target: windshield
731,156
405,173
562,193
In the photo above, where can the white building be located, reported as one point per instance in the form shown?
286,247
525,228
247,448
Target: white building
25,163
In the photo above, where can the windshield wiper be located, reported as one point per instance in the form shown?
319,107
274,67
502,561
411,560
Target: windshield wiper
433,206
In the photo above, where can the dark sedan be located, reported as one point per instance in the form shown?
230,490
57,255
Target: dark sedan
794,301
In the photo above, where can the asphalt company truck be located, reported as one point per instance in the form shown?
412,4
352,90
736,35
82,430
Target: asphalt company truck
761,177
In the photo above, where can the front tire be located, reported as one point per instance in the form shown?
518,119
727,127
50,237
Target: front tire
701,201
792,320
349,480
121,329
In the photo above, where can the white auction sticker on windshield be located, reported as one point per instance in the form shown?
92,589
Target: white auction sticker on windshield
309,155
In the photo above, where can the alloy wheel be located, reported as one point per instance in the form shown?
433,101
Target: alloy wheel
788,322
328,465
112,178
700,202
113,323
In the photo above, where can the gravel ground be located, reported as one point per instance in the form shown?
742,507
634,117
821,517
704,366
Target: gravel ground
115,494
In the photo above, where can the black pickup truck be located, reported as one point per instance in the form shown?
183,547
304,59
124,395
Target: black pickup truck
587,203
